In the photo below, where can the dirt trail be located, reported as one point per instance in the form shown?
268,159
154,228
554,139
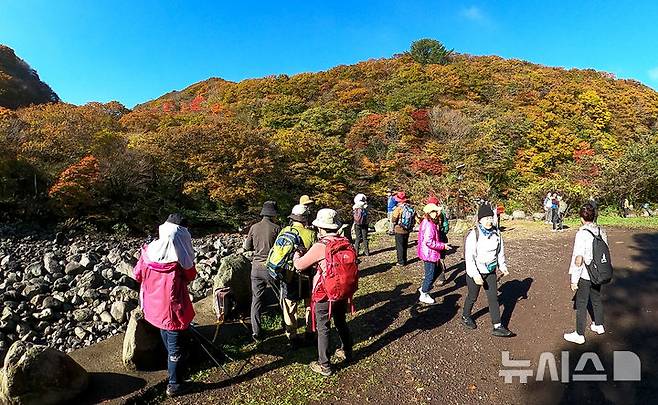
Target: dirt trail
411,353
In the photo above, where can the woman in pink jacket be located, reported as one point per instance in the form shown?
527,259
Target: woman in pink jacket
429,250
164,269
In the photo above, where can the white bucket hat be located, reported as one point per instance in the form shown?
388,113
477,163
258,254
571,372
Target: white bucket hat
299,213
327,219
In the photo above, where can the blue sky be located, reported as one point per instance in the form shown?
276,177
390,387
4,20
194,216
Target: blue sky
134,51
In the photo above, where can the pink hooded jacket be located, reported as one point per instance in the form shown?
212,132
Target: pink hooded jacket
163,294
429,244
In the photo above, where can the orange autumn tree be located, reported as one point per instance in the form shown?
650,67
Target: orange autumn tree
74,190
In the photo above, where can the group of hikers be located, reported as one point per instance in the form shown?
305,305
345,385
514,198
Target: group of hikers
555,208
313,262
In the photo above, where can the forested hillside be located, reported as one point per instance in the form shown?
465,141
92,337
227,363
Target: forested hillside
506,129
20,85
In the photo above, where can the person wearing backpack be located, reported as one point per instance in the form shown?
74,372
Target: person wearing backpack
444,227
360,216
295,286
164,270
334,284
484,254
590,267
429,250
260,239
404,218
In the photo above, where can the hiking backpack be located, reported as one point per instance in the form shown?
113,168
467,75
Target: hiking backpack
360,216
407,218
340,280
279,259
600,269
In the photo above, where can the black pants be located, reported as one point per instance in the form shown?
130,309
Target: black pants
401,244
361,237
555,218
490,288
323,326
587,291
260,280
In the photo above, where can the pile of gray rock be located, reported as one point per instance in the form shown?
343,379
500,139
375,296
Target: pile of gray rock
68,294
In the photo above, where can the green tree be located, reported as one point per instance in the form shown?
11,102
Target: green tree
430,52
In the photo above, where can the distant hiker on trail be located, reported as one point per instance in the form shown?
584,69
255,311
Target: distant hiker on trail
361,220
306,201
260,239
626,207
164,269
444,227
587,262
484,253
295,286
334,284
404,218
555,211
391,203
429,250
592,202
547,208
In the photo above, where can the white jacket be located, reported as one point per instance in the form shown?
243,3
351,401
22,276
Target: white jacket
478,253
582,246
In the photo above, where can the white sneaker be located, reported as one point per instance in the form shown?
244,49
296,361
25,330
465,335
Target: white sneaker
425,298
574,337
597,328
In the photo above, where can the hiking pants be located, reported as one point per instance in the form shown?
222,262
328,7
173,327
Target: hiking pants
401,244
490,288
290,316
555,217
587,291
323,326
432,271
361,236
259,282
172,342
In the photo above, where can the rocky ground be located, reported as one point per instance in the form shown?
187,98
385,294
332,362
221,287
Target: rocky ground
412,353
72,292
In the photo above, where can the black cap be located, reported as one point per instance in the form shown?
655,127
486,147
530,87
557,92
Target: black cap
269,209
176,218
485,211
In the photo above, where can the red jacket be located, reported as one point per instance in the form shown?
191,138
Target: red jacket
163,294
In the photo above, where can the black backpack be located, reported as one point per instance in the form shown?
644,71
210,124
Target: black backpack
600,270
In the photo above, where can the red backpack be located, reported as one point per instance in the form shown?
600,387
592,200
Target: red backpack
341,278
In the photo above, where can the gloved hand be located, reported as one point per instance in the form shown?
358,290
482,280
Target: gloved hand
478,279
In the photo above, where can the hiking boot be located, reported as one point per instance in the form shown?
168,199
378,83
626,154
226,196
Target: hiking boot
468,322
574,337
341,355
597,328
501,331
323,370
174,390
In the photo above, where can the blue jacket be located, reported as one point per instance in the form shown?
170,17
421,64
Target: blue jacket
391,204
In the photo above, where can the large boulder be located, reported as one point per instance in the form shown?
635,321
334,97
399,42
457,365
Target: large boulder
35,374
382,225
235,272
538,216
518,214
142,345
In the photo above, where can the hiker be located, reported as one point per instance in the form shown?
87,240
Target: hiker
429,249
444,227
404,218
547,208
322,306
562,207
260,239
164,269
306,201
592,202
555,211
295,286
581,283
390,207
484,253
360,215
626,207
